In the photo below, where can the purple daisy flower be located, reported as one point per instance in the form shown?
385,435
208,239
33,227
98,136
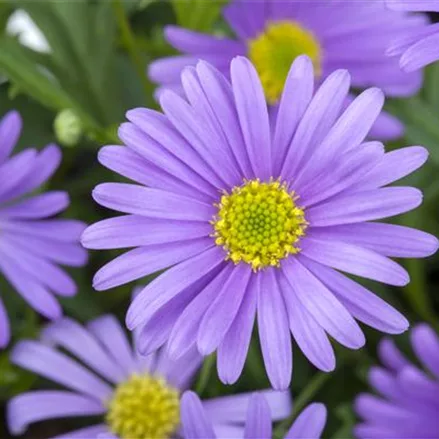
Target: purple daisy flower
408,401
334,34
197,422
137,397
257,219
31,244
420,48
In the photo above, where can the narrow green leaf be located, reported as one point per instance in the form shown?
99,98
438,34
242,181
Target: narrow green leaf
422,115
29,76
198,15
81,35
431,86
6,10
47,20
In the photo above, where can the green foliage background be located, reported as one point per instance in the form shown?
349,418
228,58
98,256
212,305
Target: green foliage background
100,51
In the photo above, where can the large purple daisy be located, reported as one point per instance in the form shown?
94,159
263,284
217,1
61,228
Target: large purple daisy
197,422
334,34
137,397
420,48
31,244
257,218
408,401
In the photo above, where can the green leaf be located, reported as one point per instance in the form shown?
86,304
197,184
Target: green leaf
199,15
19,64
420,114
430,90
81,35
422,123
30,77
84,72
6,10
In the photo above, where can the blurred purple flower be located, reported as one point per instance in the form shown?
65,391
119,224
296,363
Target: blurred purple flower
335,34
135,396
197,423
420,48
31,245
408,401
257,219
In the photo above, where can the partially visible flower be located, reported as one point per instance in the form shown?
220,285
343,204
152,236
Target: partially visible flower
31,244
197,422
256,219
421,47
351,35
407,404
136,397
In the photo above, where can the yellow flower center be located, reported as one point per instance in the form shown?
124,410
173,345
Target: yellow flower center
259,223
144,407
273,52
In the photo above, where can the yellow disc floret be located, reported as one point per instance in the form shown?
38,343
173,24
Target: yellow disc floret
273,52
259,223
144,407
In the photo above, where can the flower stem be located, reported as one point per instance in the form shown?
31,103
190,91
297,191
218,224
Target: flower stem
129,42
318,380
205,373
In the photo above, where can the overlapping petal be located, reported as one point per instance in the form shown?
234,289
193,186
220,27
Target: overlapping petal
198,418
420,48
